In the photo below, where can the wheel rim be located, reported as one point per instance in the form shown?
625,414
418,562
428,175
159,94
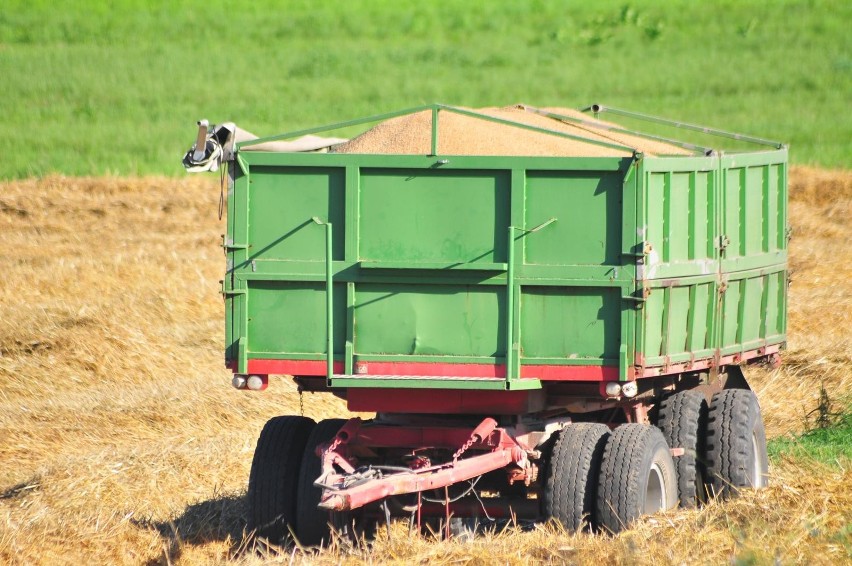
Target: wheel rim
756,468
655,491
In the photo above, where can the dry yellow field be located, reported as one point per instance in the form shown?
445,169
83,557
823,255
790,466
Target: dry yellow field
122,441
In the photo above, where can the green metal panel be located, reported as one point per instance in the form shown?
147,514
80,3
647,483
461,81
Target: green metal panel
678,320
753,309
588,207
753,212
581,323
290,317
429,320
282,205
433,216
679,225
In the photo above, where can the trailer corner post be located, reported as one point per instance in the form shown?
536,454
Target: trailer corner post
513,368
329,303
510,309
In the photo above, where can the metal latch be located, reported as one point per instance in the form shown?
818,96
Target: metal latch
723,242
230,292
229,244
639,297
644,249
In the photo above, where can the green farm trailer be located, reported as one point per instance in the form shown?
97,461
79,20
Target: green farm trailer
556,331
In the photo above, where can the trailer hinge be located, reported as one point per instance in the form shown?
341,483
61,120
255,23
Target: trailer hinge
639,297
640,250
228,244
231,292
788,233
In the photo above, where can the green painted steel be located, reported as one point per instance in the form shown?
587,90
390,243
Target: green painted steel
289,317
415,320
412,216
628,263
716,261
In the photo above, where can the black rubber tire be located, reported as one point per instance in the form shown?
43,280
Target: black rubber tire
572,469
683,419
272,480
312,524
637,476
736,443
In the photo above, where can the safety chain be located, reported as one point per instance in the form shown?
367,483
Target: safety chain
301,402
333,446
470,442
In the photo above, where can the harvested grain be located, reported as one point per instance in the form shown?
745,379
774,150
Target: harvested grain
466,135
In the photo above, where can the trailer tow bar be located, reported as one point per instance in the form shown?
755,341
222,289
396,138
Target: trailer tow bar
354,488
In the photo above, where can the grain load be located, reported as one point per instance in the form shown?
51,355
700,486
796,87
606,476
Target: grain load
460,134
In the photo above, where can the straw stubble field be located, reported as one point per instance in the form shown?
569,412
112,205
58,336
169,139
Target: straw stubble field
121,440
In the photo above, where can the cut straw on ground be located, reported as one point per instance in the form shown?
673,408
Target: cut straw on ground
122,441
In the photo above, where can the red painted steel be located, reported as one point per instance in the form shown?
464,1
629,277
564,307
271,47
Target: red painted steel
438,401
415,437
291,367
570,373
543,372
502,449
706,363
420,480
431,369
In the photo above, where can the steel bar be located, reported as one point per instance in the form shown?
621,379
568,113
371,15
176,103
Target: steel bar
597,108
418,481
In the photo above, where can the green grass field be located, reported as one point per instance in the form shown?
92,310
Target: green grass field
90,89
831,445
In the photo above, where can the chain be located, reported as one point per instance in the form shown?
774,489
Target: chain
470,442
301,402
333,446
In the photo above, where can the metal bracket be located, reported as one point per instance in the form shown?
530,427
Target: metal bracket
644,248
229,245
329,305
231,292
512,347
639,298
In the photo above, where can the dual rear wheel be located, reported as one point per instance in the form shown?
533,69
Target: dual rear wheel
275,471
594,477
282,498
597,478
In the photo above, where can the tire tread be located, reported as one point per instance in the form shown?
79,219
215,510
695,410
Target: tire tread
621,486
733,418
274,470
570,488
312,524
682,418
